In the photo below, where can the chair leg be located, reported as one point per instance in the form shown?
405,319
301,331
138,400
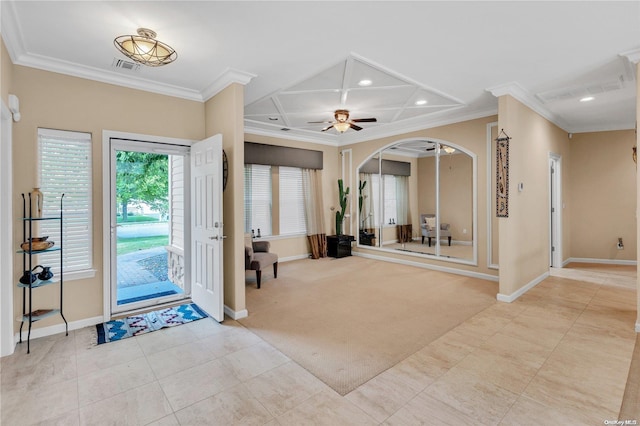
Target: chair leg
429,241
275,270
449,240
422,240
258,276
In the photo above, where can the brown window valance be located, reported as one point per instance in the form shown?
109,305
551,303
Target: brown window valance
389,167
273,155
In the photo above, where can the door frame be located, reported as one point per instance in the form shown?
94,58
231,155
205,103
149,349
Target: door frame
7,340
555,210
107,135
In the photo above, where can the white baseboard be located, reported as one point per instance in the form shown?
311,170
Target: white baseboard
602,261
235,315
513,296
58,328
292,258
429,266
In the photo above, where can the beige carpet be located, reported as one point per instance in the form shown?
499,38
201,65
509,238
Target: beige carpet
347,320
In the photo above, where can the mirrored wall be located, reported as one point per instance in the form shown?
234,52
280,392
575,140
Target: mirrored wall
419,197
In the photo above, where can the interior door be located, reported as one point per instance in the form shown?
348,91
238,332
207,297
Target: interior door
206,226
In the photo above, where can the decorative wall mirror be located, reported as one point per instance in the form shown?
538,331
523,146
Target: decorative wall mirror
419,197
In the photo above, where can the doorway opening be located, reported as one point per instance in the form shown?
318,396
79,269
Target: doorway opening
148,210
555,211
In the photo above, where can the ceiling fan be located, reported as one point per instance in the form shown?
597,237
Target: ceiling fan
445,148
342,122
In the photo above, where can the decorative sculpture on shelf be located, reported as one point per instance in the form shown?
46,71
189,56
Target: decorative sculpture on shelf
37,196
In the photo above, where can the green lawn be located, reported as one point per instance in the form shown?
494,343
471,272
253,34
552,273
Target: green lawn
137,219
129,245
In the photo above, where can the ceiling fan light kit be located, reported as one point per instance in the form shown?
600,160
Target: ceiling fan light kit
342,122
145,49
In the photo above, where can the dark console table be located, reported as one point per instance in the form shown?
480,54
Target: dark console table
339,245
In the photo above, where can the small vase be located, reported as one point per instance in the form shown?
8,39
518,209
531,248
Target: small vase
37,197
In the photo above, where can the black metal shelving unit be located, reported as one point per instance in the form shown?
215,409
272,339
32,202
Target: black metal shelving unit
28,314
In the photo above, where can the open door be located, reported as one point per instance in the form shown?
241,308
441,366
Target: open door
206,226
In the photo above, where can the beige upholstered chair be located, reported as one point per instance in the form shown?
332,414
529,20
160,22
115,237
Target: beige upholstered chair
429,230
257,257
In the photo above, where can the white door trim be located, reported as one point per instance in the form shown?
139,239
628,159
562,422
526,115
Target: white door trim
107,135
555,218
7,344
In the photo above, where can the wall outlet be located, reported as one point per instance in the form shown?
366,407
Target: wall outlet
464,231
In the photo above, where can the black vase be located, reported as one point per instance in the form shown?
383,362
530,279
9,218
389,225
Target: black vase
45,274
28,278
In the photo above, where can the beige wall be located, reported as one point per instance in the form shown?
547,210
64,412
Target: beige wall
524,235
298,246
6,72
68,103
472,135
603,188
224,114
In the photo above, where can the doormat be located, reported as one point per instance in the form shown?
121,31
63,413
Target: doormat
136,325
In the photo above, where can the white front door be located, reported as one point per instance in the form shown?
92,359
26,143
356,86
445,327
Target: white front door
206,226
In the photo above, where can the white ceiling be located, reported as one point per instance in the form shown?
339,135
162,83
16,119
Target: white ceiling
302,60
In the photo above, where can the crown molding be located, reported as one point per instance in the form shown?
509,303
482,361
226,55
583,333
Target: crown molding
632,55
594,129
11,31
396,129
229,76
515,90
417,124
262,129
91,73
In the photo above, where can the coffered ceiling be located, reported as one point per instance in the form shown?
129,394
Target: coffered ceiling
300,61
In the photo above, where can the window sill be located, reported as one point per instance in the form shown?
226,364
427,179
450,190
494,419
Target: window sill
279,237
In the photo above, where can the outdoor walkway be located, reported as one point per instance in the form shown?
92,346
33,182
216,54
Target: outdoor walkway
144,273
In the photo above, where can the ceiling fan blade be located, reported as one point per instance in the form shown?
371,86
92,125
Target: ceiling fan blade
326,128
316,122
431,149
364,120
354,127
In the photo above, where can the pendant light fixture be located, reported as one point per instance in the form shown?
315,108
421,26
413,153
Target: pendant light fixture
145,49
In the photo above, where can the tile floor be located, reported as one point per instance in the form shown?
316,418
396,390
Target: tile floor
558,355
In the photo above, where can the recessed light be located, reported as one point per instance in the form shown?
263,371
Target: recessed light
365,83
587,99
421,102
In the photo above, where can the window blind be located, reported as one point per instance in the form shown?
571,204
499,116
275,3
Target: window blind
390,206
292,214
64,167
257,198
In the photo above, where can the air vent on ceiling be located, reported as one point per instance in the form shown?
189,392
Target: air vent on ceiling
583,90
121,64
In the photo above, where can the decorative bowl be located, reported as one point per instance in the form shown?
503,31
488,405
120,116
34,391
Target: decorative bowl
37,239
37,245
